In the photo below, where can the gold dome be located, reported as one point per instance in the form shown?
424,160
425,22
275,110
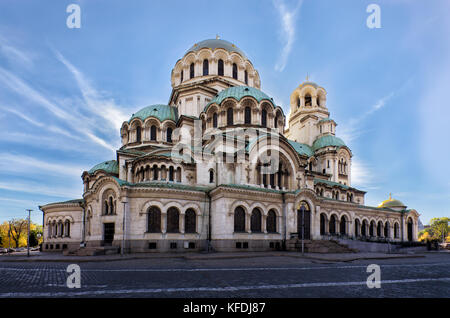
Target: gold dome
391,203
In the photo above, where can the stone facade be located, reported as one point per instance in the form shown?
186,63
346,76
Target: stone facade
193,175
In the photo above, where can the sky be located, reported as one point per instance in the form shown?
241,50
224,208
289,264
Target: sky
64,92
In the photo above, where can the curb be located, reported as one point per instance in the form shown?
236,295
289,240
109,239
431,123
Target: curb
200,257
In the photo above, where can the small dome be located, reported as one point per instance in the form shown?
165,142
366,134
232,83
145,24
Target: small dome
239,92
216,44
110,166
326,141
308,83
161,112
392,203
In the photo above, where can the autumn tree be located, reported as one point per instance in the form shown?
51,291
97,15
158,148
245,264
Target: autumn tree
18,229
438,230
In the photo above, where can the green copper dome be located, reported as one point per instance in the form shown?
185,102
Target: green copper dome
301,149
161,112
327,141
239,92
216,44
110,166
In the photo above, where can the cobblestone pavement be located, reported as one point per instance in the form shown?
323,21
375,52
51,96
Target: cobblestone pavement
247,277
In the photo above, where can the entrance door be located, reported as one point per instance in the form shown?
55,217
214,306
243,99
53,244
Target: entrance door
307,223
108,234
410,230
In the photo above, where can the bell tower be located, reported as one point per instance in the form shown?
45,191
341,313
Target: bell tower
308,112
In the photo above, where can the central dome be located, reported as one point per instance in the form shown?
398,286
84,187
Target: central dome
391,203
216,44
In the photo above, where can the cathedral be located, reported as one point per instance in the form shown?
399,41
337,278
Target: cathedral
220,167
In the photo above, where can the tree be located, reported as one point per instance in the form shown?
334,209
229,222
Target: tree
18,229
438,230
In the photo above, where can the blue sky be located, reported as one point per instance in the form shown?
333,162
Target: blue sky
65,92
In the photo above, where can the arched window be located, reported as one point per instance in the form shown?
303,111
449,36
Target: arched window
304,220
169,134
386,229
396,230
235,71
230,116
170,173
410,230
271,222
191,71
246,77
60,229
275,122
364,228
308,100
105,207
248,115
357,227
332,229
173,220
211,175
298,102
318,100
264,118
372,229
322,224
111,206
343,226
153,133
205,67
190,220
255,221
239,219
215,120
67,228
138,134
154,220
181,76
178,174
380,225
155,172
220,67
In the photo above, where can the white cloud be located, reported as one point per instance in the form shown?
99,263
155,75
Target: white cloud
39,188
362,174
26,164
13,54
287,30
96,103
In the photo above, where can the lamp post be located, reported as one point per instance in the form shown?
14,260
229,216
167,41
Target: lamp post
28,234
302,209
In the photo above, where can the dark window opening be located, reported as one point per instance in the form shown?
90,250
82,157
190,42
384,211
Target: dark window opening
248,115
152,245
239,219
191,71
205,67
235,71
154,220
173,220
220,68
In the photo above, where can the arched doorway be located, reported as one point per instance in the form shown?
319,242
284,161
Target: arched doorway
306,221
364,228
357,228
343,226
332,227
323,220
410,229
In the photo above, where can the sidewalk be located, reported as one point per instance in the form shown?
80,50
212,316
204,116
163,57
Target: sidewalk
343,257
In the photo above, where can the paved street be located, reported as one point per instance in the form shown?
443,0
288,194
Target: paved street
274,276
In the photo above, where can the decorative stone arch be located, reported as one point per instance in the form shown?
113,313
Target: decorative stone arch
286,156
237,203
104,183
321,96
144,208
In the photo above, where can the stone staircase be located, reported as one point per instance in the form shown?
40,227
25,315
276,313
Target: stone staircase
92,251
319,246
